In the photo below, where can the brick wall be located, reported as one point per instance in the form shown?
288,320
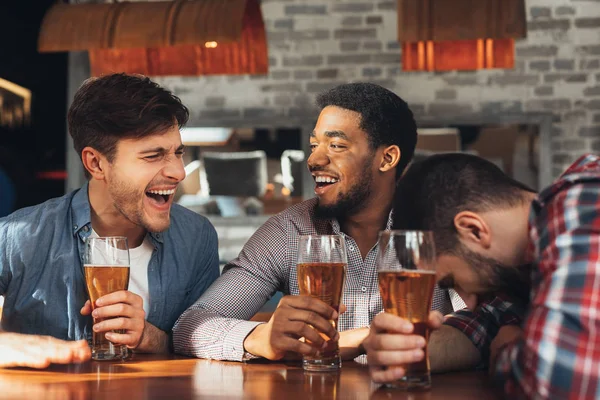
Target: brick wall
316,44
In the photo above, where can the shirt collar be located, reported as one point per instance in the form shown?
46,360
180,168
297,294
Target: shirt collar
586,168
390,221
335,225
81,220
157,236
80,212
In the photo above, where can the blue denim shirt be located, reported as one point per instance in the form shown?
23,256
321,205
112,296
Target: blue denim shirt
41,267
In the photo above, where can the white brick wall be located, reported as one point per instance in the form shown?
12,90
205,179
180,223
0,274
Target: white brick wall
316,44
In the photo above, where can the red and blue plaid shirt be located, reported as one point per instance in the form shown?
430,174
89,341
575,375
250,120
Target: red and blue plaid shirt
559,353
482,324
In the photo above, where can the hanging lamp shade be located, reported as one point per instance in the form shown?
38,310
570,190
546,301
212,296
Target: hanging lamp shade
200,37
441,35
443,20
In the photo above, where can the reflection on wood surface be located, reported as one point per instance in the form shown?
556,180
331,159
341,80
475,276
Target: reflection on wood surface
160,377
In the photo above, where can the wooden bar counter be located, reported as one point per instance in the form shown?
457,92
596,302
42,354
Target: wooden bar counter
173,377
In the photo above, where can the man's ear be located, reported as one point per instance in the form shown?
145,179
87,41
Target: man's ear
94,162
472,228
390,158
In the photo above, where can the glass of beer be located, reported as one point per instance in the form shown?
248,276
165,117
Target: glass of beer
106,270
321,273
406,270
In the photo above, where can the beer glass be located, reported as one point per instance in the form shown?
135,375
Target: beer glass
406,269
321,273
106,270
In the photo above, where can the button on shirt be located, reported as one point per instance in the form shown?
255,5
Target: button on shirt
41,268
216,326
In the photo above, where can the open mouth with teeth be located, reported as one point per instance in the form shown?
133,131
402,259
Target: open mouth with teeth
325,181
160,197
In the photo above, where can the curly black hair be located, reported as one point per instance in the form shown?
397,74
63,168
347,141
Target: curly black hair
385,117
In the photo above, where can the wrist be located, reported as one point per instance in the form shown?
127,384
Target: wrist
153,340
140,343
254,342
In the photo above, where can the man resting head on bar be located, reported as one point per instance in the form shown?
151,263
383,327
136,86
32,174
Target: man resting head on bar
364,138
494,234
126,131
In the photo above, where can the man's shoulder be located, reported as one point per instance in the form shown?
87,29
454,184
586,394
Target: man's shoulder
585,173
298,219
189,220
50,210
302,210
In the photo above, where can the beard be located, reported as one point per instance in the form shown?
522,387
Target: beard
126,200
498,277
352,201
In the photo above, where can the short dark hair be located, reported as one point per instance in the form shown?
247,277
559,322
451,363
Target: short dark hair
385,117
433,191
121,106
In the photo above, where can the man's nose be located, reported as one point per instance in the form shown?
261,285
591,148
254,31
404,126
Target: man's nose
175,170
318,158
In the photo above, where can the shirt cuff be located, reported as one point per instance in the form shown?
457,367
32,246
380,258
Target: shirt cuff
233,345
467,323
504,363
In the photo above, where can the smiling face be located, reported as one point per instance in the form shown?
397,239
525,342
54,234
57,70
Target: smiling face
143,176
341,162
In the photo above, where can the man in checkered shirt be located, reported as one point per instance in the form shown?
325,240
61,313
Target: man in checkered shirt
364,138
494,234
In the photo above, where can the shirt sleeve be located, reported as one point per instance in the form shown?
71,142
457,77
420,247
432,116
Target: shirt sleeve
559,355
207,264
482,325
217,324
4,256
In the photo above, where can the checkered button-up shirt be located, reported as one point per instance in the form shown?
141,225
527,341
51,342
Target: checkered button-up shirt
217,324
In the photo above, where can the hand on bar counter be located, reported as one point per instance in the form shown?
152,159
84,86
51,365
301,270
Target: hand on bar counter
34,351
295,317
392,344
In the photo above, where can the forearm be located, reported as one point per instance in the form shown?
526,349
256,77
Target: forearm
257,341
35,351
351,343
450,350
205,334
153,340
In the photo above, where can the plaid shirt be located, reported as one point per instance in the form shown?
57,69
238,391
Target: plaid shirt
482,324
217,324
559,354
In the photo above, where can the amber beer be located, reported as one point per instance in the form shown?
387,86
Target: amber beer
324,281
408,294
102,280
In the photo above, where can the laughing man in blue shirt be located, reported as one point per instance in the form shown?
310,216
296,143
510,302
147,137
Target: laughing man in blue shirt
126,131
